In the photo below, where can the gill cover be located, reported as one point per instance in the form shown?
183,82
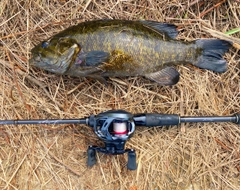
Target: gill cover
55,55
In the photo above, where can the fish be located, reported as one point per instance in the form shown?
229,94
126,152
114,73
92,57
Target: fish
100,49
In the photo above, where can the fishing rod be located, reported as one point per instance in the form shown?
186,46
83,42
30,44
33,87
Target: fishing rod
115,127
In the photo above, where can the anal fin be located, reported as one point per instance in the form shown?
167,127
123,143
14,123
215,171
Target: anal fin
166,76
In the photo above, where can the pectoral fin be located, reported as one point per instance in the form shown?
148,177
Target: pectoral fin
169,29
166,76
94,58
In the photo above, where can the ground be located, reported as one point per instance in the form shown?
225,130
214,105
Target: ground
189,156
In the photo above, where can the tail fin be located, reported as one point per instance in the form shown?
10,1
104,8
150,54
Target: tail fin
212,52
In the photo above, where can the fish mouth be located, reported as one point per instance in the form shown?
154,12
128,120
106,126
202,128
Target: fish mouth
37,61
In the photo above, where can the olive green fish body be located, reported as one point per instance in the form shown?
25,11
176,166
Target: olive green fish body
112,48
134,48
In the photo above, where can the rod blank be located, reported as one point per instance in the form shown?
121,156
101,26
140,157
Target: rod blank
234,119
43,121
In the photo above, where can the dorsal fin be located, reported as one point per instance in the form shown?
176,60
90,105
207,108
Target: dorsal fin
169,29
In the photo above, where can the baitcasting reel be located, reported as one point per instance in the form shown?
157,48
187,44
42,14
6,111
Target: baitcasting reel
115,127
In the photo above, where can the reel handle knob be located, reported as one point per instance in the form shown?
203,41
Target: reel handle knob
132,164
91,156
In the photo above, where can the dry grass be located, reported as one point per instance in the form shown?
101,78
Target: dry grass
194,156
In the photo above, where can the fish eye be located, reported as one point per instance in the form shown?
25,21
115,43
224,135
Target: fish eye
45,44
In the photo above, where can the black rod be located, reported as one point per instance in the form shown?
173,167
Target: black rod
43,121
139,119
186,119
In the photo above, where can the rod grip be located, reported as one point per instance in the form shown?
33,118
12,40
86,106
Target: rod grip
162,119
152,119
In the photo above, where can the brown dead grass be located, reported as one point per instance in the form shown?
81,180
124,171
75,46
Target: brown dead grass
194,156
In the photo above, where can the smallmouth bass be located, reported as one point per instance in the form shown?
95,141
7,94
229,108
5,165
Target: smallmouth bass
118,48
